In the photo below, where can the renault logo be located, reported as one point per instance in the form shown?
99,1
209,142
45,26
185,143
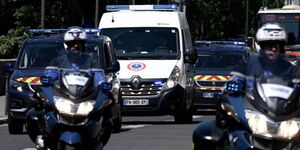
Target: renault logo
136,83
213,83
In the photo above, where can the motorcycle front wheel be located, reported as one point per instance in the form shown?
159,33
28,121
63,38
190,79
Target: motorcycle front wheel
65,146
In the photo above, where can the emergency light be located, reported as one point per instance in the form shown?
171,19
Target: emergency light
140,7
220,42
158,83
57,31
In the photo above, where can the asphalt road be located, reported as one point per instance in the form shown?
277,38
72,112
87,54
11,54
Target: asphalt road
138,133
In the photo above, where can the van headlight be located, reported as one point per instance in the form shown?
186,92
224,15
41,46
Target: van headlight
20,86
174,78
67,107
261,125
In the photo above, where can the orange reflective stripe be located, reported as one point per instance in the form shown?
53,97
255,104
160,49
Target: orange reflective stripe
29,80
33,80
199,77
212,78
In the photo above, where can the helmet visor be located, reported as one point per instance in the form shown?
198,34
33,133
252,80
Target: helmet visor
76,45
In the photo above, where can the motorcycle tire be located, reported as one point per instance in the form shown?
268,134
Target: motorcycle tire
117,122
64,146
15,126
182,113
107,131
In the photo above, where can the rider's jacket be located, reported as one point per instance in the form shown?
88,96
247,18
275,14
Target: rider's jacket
256,65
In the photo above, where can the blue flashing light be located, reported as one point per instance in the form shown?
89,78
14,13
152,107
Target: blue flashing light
239,43
165,7
140,7
158,83
92,30
58,31
117,7
46,80
46,31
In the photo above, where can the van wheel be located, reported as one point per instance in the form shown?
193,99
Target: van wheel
183,113
15,126
117,122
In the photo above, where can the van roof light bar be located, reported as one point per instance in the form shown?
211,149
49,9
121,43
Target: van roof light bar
239,43
141,7
59,31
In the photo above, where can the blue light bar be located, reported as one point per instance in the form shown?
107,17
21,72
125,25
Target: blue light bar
92,30
140,7
57,31
46,31
220,42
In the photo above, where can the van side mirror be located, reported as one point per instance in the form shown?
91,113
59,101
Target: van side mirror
9,67
190,56
115,67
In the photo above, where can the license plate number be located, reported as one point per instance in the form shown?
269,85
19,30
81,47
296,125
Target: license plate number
208,95
132,102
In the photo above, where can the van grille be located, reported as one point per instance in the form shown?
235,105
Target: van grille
211,83
145,89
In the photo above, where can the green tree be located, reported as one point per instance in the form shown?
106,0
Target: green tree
219,19
208,19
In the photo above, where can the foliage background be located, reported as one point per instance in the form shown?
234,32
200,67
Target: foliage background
208,19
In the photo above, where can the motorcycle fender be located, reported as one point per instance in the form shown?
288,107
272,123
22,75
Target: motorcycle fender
32,115
70,137
239,140
205,131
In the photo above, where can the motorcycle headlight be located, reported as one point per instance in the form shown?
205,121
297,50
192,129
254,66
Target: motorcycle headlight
65,106
261,125
174,78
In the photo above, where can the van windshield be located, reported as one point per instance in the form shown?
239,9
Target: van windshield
218,60
144,43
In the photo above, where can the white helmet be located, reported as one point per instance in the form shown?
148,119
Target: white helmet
75,34
271,32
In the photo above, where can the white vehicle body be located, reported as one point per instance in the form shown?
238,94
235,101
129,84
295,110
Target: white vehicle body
153,81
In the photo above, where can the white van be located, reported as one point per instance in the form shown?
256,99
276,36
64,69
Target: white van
154,48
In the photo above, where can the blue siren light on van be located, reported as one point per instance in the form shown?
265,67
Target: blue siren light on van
220,42
57,31
140,7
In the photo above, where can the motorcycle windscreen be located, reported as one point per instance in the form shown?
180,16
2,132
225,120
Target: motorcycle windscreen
278,95
77,83
76,73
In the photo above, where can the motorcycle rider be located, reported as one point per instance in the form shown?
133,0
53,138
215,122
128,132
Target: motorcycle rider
272,38
74,57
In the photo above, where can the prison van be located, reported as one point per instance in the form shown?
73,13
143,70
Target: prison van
153,45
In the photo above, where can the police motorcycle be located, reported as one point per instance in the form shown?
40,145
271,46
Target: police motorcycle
265,117
72,113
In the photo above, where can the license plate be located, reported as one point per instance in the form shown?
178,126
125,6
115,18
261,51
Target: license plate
133,102
208,95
